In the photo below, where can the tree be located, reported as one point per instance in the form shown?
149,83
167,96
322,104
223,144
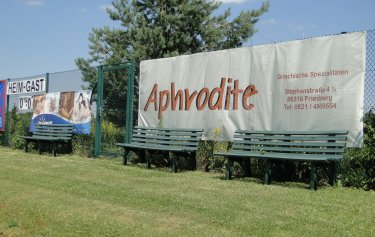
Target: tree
153,29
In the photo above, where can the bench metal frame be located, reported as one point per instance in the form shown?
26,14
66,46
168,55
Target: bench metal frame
50,133
313,147
175,141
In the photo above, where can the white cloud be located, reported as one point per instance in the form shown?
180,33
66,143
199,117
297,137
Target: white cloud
104,7
296,27
34,3
232,1
269,22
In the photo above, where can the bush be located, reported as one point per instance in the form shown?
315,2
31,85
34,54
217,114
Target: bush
205,159
18,126
83,144
358,167
111,133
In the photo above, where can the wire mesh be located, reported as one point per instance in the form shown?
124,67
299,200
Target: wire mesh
115,90
369,98
113,111
66,81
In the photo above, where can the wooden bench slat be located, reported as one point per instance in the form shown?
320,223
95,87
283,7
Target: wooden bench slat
56,132
304,144
147,146
284,156
166,133
295,138
175,138
171,142
341,132
49,138
169,129
53,132
64,130
287,149
51,135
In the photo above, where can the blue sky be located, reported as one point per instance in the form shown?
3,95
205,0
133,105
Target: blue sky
39,36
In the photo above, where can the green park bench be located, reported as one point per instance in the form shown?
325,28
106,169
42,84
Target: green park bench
313,147
172,140
50,133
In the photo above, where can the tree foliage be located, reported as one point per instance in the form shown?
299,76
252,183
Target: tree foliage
153,29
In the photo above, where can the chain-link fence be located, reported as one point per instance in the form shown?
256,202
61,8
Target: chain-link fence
112,110
369,100
115,100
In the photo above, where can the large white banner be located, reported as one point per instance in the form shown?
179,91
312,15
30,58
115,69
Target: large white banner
306,85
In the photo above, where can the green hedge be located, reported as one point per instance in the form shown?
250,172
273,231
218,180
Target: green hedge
357,169
18,125
358,166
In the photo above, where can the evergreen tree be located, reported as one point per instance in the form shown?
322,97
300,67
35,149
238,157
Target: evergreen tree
153,29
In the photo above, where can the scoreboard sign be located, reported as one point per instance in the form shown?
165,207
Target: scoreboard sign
27,86
25,103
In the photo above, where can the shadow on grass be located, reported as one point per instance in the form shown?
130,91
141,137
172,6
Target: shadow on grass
221,176
288,184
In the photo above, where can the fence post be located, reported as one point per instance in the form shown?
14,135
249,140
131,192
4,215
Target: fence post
6,133
47,82
99,105
129,102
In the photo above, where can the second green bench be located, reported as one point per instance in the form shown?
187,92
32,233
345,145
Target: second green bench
175,141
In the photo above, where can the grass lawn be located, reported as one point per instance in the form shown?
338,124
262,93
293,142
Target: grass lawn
75,196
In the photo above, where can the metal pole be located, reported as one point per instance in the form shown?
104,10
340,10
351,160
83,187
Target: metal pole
99,105
47,82
129,103
6,134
